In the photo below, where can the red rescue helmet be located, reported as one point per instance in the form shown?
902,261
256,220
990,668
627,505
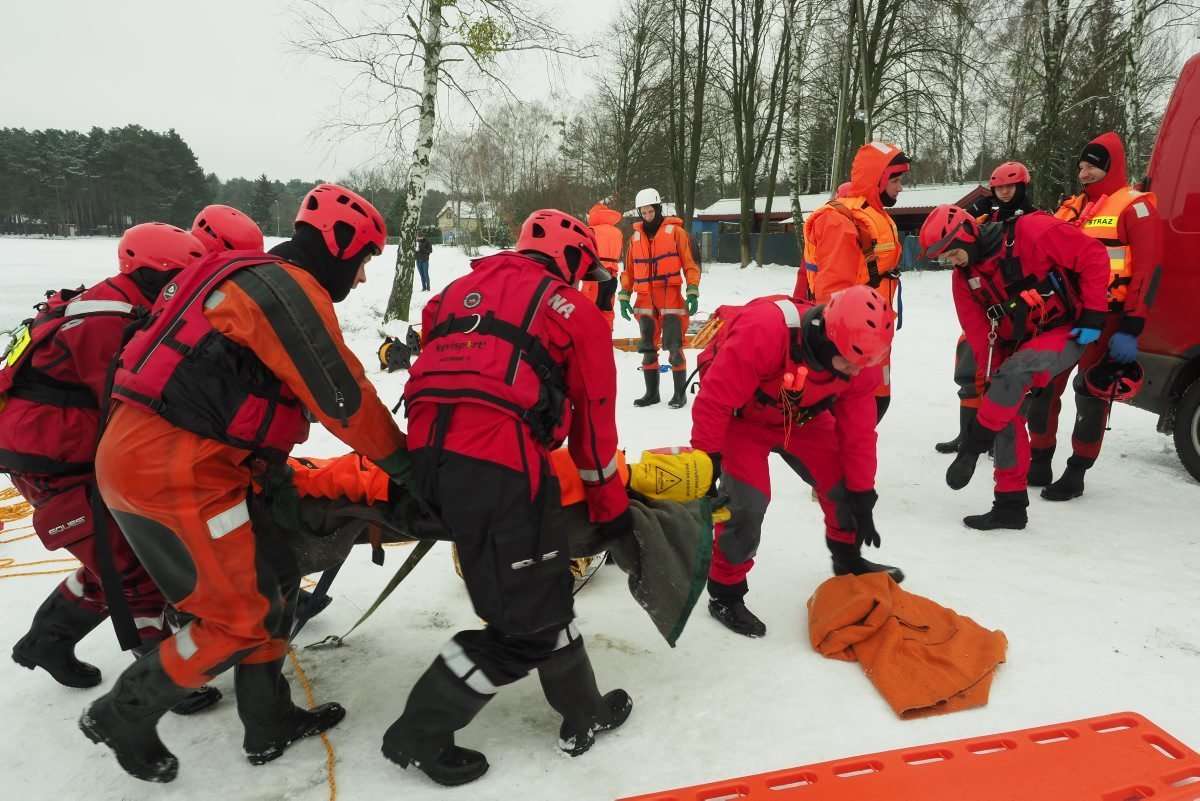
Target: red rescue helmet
347,220
158,246
566,240
225,228
860,325
1010,172
1111,380
946,225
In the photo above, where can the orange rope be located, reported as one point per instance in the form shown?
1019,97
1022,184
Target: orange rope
330,756
7,563
17,511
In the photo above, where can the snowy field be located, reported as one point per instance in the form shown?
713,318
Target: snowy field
1098,597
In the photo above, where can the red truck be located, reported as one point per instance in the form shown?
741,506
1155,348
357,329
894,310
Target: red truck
1170,345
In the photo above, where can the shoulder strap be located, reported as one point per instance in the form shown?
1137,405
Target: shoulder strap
791,315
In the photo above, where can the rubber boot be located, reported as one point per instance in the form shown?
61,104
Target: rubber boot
1008,511
309,608
679,399
976,441
439,705
966,416
1041,467
848,560
57,626
651,397
726,604
1070,483
570,686
126,720
272,722
197,700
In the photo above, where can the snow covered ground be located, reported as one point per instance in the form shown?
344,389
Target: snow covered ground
1098,597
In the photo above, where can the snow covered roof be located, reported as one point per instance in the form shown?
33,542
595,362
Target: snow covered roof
732,207
913,198
470,211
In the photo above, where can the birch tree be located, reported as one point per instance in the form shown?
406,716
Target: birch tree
403,55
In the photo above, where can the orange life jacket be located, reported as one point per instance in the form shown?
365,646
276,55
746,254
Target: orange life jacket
1071,209
1101,221
657,260
877,238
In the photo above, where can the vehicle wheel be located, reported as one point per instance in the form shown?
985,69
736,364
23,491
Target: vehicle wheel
1187,429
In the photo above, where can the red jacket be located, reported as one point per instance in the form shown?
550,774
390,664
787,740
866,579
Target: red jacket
1041,244
78,354
751,363
576,336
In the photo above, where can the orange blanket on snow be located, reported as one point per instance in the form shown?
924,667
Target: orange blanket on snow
923,658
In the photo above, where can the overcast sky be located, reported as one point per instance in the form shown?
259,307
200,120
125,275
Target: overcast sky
220,72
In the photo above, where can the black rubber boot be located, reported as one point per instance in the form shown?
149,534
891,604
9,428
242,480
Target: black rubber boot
966,416
848,560
57,626
726,604
1008,511
126,719
976,441
651,397
1070,483
307,608
570,687
272,722
1041,467
679,399
198,700
439,705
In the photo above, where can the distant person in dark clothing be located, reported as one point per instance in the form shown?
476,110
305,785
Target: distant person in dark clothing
424,248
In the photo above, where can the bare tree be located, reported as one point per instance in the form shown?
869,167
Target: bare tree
753,77
404,53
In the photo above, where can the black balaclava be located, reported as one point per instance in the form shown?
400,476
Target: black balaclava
1020,204
307,250
651,228
991,237
817,350
150,282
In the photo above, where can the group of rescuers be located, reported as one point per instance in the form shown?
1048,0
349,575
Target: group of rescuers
162,426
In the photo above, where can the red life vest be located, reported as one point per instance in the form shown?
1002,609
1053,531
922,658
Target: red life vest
48,422
1018,304
488,346
785,391
182,369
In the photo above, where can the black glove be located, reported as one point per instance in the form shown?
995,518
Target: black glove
715,458
620,526
861,505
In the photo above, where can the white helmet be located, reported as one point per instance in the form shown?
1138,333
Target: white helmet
647,197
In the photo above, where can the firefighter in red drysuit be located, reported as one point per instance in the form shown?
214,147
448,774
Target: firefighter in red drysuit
658,263
1127,223
51,402
1008,198
798,380
853,240
515,360
241,351
1030,296
610,243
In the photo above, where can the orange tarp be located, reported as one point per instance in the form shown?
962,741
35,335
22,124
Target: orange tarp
923,658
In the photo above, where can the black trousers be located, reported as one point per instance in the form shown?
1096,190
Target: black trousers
517,569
